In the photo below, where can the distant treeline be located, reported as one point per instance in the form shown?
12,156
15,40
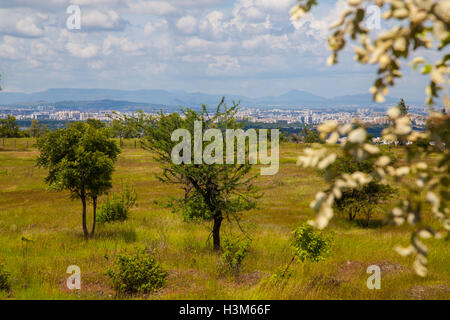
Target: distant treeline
287,129
51,124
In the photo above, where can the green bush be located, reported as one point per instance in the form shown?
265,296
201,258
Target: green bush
117,207
233,255
4,279
310,244
137,273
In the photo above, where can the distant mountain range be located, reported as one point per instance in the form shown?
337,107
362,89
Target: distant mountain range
109,98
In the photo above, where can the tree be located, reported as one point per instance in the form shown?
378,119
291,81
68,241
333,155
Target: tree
97,124
212,191
79,159
402,107
419,25
356,201
9,128
309,136
36,129
126,127
295,138
308,244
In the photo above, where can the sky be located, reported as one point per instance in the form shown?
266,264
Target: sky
245,47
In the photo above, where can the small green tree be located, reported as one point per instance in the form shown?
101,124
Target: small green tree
403,107
310,244
79,159
138,273
9,127
35,129
117,207
233,255
212,191
357,201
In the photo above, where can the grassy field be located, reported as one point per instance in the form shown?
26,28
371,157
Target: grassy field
53,222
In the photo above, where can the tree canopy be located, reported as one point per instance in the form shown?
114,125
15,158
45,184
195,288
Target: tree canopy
212,191
9,128
79,159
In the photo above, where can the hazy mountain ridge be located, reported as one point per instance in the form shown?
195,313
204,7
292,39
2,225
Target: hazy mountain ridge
155,98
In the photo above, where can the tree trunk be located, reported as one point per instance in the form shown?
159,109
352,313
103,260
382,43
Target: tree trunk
94,206
216,231
85,230
287,266
368,214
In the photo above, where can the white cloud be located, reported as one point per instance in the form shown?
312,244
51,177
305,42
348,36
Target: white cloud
223,65
21,23
28,28
82,51
96,3
46,5
152,27
98,20
8,48
96,65
187,25
159,8
212,24
153,68
38,48
112,43
277,5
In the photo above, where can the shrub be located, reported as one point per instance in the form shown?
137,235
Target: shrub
279,277
363,201
307,244
233,255
137,273
4,279
116,208
310,244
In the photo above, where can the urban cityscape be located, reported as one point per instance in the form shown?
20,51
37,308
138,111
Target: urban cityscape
282,116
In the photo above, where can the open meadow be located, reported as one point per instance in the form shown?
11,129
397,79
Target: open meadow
41,235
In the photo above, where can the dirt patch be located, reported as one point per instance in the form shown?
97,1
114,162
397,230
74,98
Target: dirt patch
425,292
181,281
249,279
389,267
92,284
353,268
350,269
324,282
